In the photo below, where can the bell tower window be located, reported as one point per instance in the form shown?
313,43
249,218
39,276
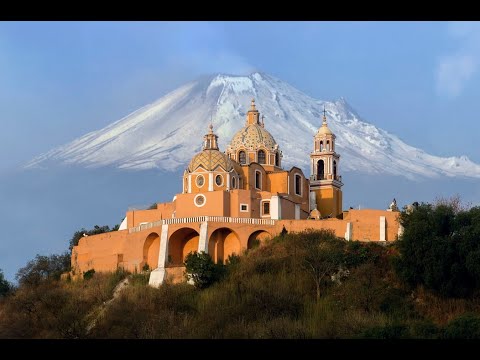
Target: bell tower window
334,169
328,145
320,170
276,159
321,145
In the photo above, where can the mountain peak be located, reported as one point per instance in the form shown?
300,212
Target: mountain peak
167,133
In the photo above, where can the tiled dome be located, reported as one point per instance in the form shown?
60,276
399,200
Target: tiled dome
210,160
252,136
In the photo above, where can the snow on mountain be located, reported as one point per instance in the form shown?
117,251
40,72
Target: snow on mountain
167,133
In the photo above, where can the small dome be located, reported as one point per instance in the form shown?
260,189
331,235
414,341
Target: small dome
209,160
324,130
252,136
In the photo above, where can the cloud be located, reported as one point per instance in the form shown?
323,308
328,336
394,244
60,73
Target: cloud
454,70
205,47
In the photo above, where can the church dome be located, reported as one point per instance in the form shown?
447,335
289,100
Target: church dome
324,130
251,136
211,159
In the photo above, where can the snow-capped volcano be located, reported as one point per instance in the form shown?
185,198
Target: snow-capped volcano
167,133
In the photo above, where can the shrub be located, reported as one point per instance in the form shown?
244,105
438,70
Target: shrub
44,268
87,275
466,326
201,269
389,331
440,249
5,286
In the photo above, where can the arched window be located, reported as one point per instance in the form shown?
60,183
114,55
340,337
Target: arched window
298,185
320,170
277,155
234,182
328,145
334,169
200,181
321,145
261,157
242,158
258,180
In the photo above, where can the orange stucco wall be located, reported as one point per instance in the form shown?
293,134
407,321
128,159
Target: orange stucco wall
105,252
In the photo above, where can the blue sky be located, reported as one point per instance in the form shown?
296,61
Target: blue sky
59,80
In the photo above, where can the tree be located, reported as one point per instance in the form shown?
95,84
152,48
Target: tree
201,268
96,230
323,255
43,268
5,286
440,248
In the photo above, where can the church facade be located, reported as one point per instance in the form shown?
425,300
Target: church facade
232,201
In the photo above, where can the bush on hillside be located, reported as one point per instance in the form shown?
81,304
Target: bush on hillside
202,270
440,249
5,286
43,268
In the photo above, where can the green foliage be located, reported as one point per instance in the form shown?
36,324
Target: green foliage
267,292
201,268
322,255
43,268
5,286
466,326
358,253
153,206
145,267
87,275
440,248
96,230
425,329
53,309
139,279
390,331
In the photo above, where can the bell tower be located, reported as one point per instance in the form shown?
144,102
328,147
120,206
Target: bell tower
325,181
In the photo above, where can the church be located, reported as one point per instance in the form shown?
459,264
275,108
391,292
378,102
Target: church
232,201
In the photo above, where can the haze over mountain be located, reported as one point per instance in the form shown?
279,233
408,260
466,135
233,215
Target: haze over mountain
167,133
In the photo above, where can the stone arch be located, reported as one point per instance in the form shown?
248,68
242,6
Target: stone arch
151,248
180,243
257,238
222,243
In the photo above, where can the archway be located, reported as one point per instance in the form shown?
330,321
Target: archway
222,243
151,248
257,238
320,170
180,244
